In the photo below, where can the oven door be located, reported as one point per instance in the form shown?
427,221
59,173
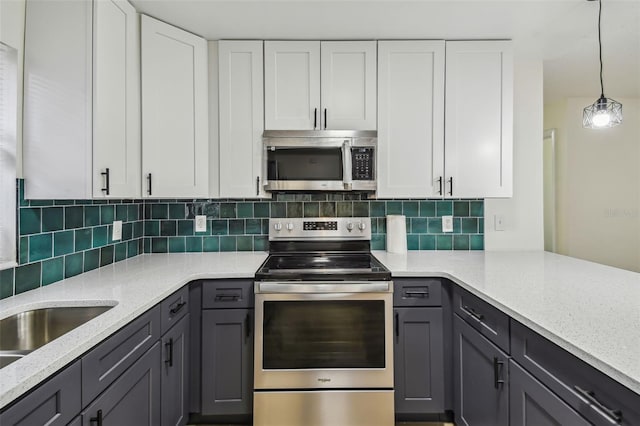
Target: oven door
323,336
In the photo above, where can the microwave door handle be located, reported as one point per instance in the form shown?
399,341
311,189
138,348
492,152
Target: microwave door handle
346,165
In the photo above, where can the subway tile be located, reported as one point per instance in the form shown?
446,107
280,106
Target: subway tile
40,247
219,227
378,242
106,255
100,236
279,209
260,243
476,242
83,239
91,259
73,265
138,229
120,252
92,215
6,283
361,209
344,209
62,243
244,210
133,212
73,217
328,209
265,226
146,245
434,225
52,219
151,228
107,214
27,277
213,210
177,211
351,196
127,231
236,227
378,208
461,208
168,228
476,208
52,270
410,208
382,225
260,210
419,225
444,208
122,212
394,207
469,225
63,202
413,242
457,225
23,250
444,242
185,227
427,242
228,210
311,209
159,211
30,220
133,248
461,242
427,208
211,243
335,196
481,225
318,196
159,245
253,226
228,243
294,209
244,243
177,245
193,244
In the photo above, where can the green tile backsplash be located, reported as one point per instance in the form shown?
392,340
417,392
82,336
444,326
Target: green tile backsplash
62,238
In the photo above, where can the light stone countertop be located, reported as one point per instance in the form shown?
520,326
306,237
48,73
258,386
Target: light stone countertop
593,311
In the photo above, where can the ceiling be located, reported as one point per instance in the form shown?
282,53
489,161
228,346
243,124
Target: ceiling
562,32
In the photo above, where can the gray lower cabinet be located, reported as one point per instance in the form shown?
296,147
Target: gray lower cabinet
175,374
54,403
418,361
533,404
227,362
133,399
481,372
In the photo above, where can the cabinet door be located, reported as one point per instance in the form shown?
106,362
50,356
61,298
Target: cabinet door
533,404
292,85
175,374
227,361
418,361
174,112
481,372
133,399
241,118
410,118
479,119
116,100
348,85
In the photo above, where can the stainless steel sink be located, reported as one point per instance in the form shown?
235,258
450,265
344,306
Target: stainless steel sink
26,331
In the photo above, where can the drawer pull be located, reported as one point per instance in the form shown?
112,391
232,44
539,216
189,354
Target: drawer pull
227,298
497,368
169,347
397,326
478,317
247,327
416,294
607,413
177,308
98,419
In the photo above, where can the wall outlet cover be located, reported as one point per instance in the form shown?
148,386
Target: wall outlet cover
447,223
498,222
116,234
201,223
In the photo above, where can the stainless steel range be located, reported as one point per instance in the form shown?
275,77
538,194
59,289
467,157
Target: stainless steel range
324,348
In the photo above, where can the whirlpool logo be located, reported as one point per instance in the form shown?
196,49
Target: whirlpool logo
323,380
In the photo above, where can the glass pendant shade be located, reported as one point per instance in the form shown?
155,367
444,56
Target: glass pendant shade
602,114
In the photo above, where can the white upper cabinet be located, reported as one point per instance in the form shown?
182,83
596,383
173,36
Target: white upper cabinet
175,128
320,85
479,119
81,100
241,118
410,118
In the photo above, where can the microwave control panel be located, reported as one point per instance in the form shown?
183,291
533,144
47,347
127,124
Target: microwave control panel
362,161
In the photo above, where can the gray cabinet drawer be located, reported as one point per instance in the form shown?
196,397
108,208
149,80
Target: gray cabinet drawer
417,292
571,379
489,321
173,308
227,294
56,402
116,354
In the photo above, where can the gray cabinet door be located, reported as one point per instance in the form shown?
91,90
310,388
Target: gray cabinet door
175,374
418,361
533,404
227,361
133,399
481,378
54,403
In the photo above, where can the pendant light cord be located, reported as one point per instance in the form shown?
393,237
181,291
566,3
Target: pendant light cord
600,46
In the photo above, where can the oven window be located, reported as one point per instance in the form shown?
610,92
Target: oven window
305,164
323,334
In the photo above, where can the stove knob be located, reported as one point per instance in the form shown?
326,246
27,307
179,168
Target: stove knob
362,226
289,226
277,226
350,226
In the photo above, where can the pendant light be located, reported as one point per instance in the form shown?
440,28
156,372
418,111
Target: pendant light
605,112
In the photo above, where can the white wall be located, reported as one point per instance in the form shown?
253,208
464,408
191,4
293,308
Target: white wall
523,213
12,33
598,204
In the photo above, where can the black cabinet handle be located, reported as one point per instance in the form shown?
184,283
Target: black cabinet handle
396,321
257,185
497,367
227,298
451,185
106,181
149,182
416,294
98,419
606,412
325,118
169,348
478,317
177,308
247,327
440,185
315,118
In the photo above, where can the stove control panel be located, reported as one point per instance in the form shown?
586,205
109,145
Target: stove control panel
337,228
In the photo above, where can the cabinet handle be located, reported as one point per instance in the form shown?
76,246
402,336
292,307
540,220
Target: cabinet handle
169,348
396,322
478,317
416,294
227,298
257,185
325,118
606,412
440,185
177,308
247,327
451,185
315,118
149,182
106,181
497,367
98,419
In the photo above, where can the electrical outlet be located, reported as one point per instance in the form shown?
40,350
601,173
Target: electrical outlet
116,234
498,222
447,223
201,223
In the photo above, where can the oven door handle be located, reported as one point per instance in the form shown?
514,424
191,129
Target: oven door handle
336,287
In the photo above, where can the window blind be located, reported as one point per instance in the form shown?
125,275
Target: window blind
8,132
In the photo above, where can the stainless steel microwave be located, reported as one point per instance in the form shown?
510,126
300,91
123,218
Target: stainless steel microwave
327,160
